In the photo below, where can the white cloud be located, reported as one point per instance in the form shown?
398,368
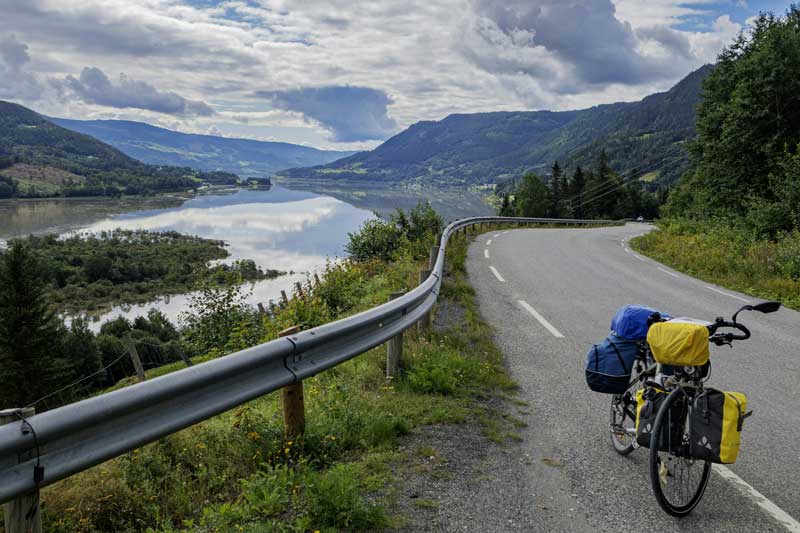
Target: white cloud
430,58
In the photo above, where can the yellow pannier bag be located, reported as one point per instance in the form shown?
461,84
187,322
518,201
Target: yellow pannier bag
679,343
715,426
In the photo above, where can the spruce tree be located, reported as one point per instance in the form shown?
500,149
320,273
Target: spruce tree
556,191
30,333
576,186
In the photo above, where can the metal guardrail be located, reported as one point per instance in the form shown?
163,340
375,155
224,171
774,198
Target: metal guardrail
75,437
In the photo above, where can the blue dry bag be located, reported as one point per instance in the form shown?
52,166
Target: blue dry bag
630,322
610,363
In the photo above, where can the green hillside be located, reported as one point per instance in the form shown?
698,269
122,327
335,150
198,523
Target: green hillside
39,158
159,146
472,149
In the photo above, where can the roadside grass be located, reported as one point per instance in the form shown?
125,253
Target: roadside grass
730,257
237,472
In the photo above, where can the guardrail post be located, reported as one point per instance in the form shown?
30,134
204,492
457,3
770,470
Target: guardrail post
394,348
432,257
22,514
294,410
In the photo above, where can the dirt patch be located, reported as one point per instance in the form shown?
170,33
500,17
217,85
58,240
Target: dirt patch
449,314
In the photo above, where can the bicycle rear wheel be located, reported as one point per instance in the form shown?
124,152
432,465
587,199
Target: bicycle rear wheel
678,480
622,424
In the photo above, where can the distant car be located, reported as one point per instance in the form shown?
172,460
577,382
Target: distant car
639,219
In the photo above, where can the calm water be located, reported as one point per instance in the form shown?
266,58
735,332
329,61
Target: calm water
279,228
288,230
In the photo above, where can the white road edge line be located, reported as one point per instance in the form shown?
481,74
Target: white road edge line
727,294
639,257
748,490
486,253
488,242
541,319
497,274
673,274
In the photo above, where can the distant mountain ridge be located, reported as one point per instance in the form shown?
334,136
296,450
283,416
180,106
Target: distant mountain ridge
39,158
160,146
473,149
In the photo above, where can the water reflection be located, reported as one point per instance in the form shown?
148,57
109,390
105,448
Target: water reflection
286,230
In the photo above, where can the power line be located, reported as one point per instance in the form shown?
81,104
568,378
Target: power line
109,365
621,185
598,188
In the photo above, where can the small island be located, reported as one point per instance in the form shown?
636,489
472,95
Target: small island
89,273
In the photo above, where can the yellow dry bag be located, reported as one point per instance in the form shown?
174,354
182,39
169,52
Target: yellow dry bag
679,343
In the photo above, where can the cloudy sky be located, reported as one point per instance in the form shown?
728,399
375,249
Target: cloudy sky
348,74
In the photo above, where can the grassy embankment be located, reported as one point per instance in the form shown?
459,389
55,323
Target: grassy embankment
236,472
729,256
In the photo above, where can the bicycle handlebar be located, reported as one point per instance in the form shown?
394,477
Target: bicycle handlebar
726,338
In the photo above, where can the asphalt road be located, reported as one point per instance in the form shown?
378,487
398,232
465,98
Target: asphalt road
575,279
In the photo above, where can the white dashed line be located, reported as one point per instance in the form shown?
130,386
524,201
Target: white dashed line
727,294
541,319
496,235
771,509
497,274
673,274
486,253
489,242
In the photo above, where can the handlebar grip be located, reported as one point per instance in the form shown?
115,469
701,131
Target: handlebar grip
744,330
728,336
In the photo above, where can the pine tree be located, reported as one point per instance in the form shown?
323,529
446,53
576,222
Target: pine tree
30,334
576,188
506,208
556,192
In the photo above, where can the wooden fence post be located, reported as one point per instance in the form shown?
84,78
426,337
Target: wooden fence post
300,292
394,348
261,309
22,514
425,320
137,362
294,410
184,357
284,298
432,257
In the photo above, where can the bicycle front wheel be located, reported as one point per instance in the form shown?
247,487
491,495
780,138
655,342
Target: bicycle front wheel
678,480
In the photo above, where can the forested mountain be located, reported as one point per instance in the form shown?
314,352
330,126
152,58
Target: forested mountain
159,146
469,149
39,158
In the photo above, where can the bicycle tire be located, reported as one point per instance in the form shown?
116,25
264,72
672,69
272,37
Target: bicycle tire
618,417
661,471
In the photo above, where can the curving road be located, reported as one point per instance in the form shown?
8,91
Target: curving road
549,294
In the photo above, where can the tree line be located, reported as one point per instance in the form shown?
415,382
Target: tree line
599,193
746,159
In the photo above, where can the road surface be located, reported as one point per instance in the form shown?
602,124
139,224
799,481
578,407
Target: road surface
550,294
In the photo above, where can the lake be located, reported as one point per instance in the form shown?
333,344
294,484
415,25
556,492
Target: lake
289,230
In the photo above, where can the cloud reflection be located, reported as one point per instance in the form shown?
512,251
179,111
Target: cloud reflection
297,235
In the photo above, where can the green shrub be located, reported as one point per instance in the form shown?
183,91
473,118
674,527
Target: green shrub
376,239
